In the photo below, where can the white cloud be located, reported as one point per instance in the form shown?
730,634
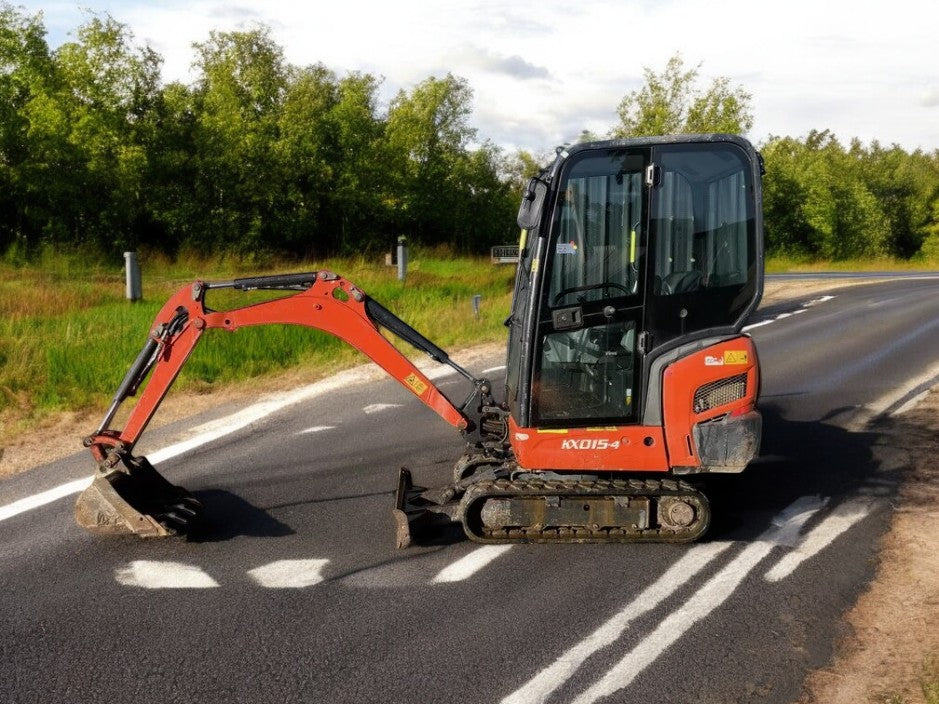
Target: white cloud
542,71
930,98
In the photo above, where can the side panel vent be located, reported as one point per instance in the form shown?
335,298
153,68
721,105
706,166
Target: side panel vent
719,392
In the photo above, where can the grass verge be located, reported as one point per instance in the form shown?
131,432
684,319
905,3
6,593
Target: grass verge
67,336
784,264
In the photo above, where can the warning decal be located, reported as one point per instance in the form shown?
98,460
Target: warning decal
415,384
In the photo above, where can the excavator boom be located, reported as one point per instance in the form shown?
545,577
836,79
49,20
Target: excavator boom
129,495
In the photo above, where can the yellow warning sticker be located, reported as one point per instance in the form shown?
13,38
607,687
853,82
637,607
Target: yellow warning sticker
736,357
415,384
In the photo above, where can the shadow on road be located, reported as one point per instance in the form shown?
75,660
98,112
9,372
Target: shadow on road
799,458
228,516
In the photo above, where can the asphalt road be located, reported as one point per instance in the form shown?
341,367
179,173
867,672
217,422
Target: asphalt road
296,594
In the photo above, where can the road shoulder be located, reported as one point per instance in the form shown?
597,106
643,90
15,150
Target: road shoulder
892,651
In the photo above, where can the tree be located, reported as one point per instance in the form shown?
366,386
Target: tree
26,71
817,201
427,131
788,231
109,90
905,185
237,102
484,203
519,169
672,103
306,148
929,250
364,184
75,133
172,195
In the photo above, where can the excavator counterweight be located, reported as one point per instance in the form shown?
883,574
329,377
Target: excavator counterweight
627,371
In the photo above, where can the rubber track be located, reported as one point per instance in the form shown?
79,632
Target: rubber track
638,488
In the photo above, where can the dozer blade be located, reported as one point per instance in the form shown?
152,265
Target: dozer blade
136,499
422,514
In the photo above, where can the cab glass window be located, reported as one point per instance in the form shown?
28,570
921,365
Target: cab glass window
596,236
702,244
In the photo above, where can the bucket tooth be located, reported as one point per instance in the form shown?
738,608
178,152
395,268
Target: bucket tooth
135,499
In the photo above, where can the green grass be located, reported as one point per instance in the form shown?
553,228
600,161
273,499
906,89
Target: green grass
783,264
67,336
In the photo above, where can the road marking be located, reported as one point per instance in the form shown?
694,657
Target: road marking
820,299
378,407
151,574
540,687
470,564
789,315
317,429
43,498
842,517
493,370
289,574
912,403
714,593
897,401
783,316
747,328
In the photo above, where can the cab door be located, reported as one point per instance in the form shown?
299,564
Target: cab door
587,367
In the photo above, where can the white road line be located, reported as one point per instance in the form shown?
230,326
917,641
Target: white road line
747,328
820,299
783,316
41,499
317,429
150,574
493,370
895,396
714,593
842,517
289,574
378,407
788,524
912,403
470,564
540,687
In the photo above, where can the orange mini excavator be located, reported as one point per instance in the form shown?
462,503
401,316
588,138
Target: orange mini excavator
627,372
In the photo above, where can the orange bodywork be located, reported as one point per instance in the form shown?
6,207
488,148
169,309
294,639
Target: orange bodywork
683,378
637,448
615,448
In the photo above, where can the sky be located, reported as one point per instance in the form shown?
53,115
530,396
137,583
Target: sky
541,72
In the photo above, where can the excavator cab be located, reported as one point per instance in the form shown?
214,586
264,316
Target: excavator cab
642,251
641,247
